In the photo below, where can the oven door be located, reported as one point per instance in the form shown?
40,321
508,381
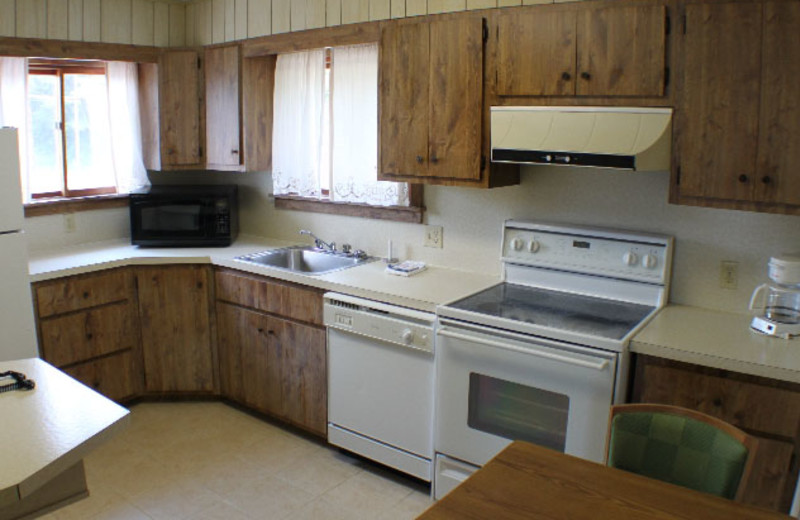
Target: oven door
494,387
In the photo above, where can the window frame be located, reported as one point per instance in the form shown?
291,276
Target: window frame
267,48
59,68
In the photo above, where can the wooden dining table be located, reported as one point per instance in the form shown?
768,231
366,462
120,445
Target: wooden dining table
526,481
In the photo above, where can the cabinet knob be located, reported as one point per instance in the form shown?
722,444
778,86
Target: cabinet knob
271,332
170,151
235,152
85,294
717,402
89,336
434,159
766,179
419,159
260,330
566,76
199,285
586,76
743,178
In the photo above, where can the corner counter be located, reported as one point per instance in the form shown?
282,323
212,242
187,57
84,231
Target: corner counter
718,339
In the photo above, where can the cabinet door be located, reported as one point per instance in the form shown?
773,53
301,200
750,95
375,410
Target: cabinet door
180,99
403,99
112,376
223,136
456,98
717,123
304,374
250,358
176,331
762,408
778,179
536,52
621,51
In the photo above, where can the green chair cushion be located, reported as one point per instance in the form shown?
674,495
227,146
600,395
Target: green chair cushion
678,450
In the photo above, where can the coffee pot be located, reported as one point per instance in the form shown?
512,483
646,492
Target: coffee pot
776,305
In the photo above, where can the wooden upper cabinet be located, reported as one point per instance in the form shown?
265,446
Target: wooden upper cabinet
223,111
174,310
778,177
180,98
455,99
582,50
536,52
431,100
403,83
719,110
621,51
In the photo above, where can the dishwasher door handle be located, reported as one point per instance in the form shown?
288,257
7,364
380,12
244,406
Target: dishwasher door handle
598,365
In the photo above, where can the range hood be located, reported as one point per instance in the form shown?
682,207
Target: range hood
636,138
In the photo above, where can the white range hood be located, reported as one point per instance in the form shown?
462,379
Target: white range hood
631,138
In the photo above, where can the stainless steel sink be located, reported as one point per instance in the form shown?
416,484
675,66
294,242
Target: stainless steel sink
305,260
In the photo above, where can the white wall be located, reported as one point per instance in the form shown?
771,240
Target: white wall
50,231
472,221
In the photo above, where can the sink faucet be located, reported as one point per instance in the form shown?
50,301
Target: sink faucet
318,242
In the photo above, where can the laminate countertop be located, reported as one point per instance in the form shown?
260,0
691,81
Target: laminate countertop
718,339
423,291
47,430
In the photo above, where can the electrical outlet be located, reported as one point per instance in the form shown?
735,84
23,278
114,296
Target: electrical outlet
433,236
69,222
728,274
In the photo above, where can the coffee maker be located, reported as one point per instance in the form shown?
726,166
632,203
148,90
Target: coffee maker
776,305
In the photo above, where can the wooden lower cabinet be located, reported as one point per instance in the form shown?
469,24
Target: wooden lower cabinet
273,365
175,315
765,408
88,327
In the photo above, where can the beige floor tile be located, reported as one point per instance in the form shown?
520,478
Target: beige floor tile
268,497
368,494
210,461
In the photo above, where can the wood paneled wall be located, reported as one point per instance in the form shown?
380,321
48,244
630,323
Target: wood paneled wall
177,23
138,22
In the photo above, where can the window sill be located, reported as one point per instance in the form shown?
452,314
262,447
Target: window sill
410,214
73,204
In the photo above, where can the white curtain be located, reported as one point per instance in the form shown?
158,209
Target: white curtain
126,133
13,108
297,125
355,130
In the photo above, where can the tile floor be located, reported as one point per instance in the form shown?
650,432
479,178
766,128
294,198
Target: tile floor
210,461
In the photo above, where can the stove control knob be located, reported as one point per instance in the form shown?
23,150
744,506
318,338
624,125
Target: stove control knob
649,261
517,244
407,336
533,246
630,258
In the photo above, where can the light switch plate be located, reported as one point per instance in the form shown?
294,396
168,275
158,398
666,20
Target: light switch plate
728,274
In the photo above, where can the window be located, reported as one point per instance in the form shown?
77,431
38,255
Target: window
69,130
325,135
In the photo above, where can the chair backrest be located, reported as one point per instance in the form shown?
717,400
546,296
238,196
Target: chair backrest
680,446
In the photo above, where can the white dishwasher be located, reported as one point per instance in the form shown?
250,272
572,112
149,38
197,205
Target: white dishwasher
380,382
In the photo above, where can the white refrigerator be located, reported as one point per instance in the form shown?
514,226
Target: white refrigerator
17,331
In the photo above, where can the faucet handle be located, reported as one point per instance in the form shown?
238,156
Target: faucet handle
346,248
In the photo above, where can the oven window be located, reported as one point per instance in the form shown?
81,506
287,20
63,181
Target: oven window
518,412
168,219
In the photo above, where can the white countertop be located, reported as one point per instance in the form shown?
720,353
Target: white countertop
718,339
423,291
50,428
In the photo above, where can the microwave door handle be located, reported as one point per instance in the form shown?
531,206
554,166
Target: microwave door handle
599,365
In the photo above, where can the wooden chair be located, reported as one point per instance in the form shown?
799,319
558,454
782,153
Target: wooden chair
680,446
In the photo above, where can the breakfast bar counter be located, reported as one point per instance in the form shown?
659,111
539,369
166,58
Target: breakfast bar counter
530,482
46,432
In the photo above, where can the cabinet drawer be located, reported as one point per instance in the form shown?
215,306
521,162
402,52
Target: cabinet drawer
759,408
111,376
82,292
83,335
287,300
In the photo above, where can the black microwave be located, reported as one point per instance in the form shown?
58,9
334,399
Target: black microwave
184,216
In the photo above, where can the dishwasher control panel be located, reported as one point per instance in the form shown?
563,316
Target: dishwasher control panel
397,325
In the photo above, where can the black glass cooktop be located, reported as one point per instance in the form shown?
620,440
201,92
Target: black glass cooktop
558,310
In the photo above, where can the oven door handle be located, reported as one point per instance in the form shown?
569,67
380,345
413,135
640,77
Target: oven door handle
599,365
